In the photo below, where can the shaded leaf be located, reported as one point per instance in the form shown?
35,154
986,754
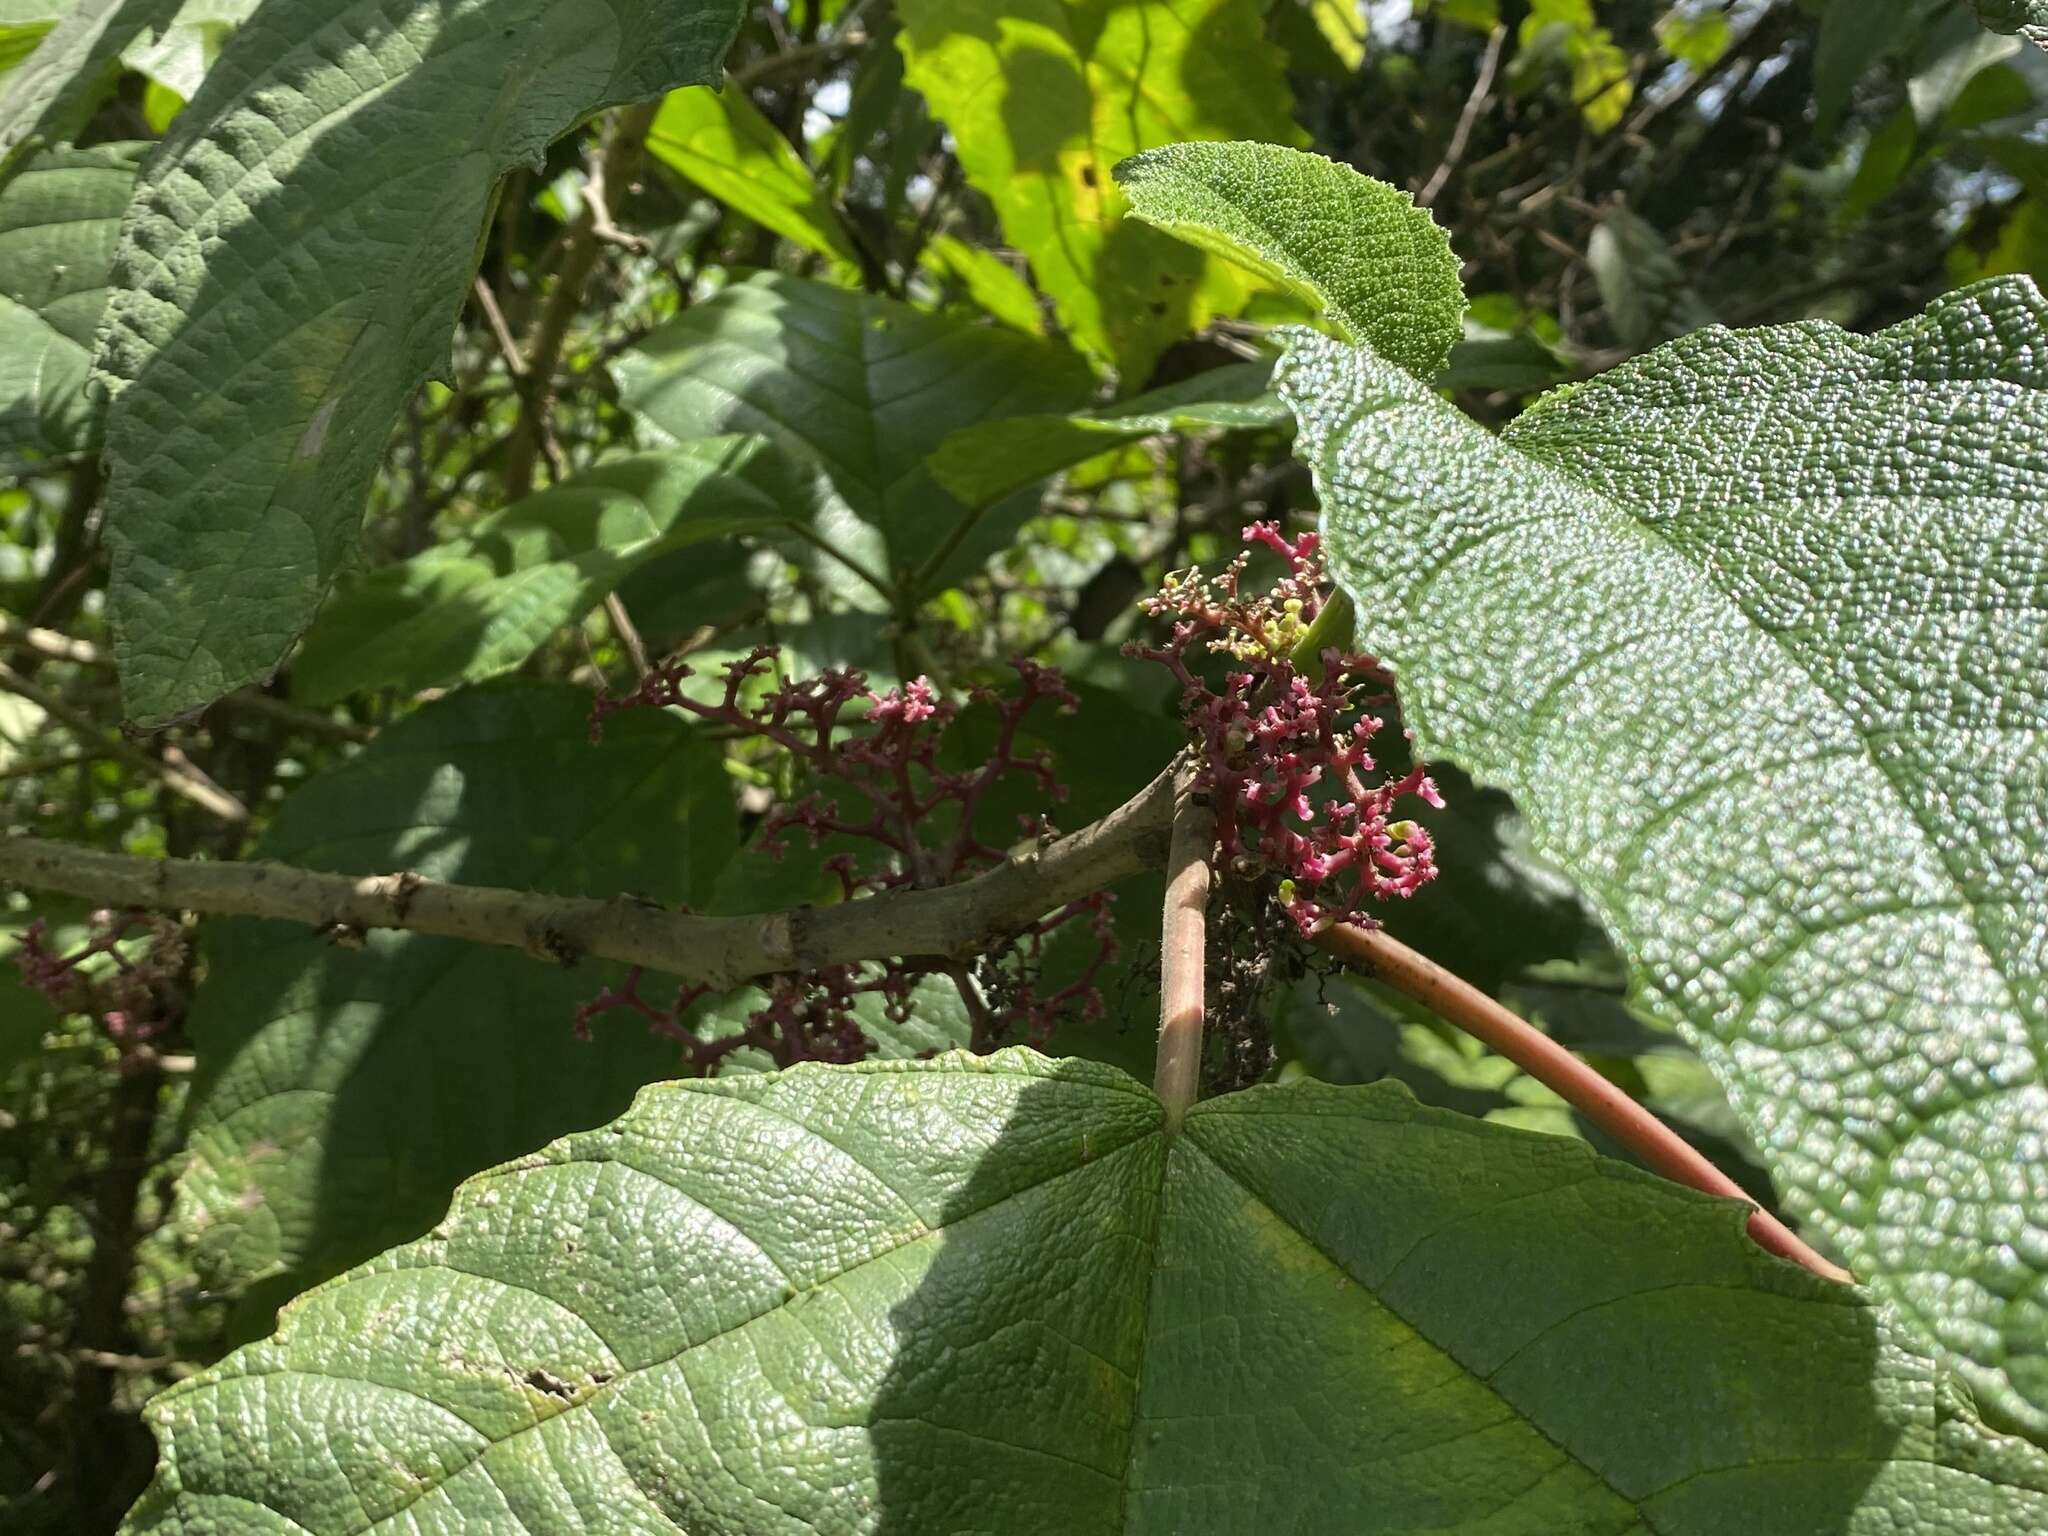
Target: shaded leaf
1356,248
60,216
1855,36
342,1092
291,269
479,604
864,386
982,464
1755,630
1643,287
1959,54
1007,1302
1045,97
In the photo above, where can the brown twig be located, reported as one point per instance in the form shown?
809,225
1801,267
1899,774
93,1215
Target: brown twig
953,921
627,633
1183,948
176,771
1482,91
532,436
1387,959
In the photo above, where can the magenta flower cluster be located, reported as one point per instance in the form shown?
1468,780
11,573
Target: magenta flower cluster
1282,744
141,966
873,759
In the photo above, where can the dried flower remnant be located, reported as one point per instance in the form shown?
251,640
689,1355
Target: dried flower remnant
1283,753
874,758
130,992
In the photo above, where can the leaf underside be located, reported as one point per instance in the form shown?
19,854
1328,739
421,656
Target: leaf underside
1755,630
293,264
989,1294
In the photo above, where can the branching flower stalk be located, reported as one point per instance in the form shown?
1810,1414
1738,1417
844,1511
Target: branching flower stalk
882,788
1275,782
123,976
1281,749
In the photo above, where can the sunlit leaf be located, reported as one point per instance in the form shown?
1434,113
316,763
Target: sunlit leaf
1355,248
991,1295
1755,630
1044,98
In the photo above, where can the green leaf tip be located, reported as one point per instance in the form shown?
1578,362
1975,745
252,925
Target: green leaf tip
1359,249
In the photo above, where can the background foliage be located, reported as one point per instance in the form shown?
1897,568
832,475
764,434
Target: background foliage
790,361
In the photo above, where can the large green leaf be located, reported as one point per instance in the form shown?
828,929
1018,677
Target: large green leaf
1356,248
991,1295
342,1092
1045,97
294,262
59,219
481,603
866,387
984,463
1755,631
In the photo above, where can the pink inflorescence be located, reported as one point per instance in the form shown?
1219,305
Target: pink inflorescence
128,993
1283,754
875,758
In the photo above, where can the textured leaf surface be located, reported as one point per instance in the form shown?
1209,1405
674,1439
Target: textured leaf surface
1356,248
1045,97
1755,630
990,1295
343,1092
296,257
864,386
481,603
2029,18
720,141
983,464
49,97
59,218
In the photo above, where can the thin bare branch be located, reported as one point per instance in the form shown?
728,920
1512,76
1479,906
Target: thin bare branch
178,773
955,921
1482,92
